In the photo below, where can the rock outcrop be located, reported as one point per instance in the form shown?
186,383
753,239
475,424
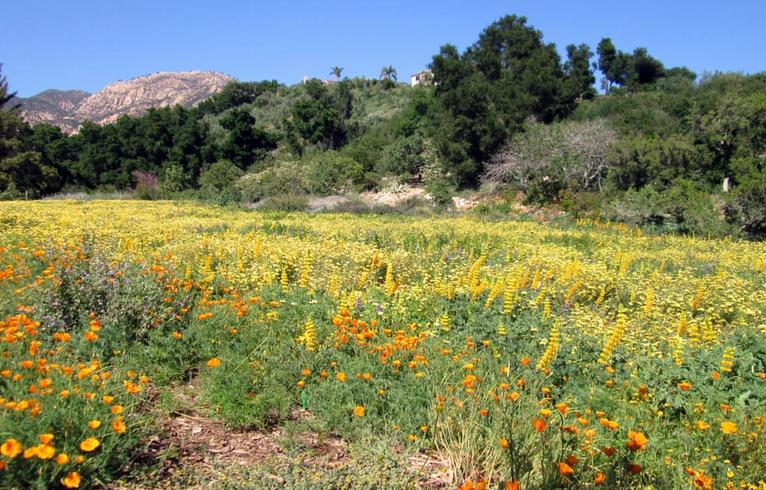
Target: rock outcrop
68,109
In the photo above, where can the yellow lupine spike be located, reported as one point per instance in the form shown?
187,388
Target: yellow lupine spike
284,281
305,275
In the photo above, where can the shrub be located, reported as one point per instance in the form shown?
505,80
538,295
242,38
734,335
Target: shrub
146,185
285,202
684,208
217,183
283,178
548,158
748,206
174,179
330,172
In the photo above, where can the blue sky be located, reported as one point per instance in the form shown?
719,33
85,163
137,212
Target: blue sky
88,44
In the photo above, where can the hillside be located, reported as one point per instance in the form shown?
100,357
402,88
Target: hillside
67,109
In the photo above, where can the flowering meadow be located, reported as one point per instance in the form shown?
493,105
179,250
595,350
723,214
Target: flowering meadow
523,355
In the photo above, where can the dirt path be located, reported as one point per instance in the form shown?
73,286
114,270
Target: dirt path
194,451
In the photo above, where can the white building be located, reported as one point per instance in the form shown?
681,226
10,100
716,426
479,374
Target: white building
424,77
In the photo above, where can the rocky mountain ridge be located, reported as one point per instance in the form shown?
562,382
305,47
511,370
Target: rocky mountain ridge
68,109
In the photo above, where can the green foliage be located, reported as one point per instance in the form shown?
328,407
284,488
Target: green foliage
318,118
22,169
683,208
174,179
369,147
235,94
218,182
281,179
245,145
404,157
636,71
331,173
292,201
640,161
485,100
749,206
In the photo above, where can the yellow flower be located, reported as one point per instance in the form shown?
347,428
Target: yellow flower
702,425
728,427
359,411
341,376
94,424
72,480
62,459
89,444
213,363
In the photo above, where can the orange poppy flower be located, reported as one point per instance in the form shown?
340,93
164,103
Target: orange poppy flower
600,478
71,480
119,426
539,425
636,441
11,448
565,469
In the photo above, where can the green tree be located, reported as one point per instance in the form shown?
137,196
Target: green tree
579,74
23,171
489,91
336,71
607,55
245,144
388,73
235,94
218,182
634,71
316,119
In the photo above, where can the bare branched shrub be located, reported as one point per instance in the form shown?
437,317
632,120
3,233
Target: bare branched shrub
571,154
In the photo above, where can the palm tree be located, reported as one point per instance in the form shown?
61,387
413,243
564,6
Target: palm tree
335,71
388,73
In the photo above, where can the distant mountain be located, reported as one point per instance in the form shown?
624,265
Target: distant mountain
68,109
56,107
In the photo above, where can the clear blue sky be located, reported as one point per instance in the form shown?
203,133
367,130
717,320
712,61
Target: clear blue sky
86,44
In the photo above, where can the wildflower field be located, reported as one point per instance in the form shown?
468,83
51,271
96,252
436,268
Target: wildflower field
517,354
